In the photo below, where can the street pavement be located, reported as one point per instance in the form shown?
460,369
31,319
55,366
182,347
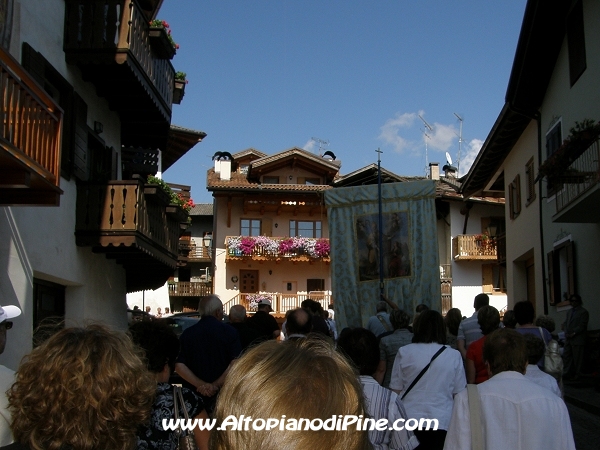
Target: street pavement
583,403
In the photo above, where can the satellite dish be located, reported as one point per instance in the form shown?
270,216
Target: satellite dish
448,158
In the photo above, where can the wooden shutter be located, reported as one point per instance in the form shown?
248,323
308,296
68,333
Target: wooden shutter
81,161
34,63
266,227
301,180
487,277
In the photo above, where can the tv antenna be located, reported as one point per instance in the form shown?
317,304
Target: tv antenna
322,144
427,137
460,140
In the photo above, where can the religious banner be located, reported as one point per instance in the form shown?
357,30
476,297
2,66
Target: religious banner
408,248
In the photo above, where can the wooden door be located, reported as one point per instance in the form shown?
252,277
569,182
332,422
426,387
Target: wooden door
249,281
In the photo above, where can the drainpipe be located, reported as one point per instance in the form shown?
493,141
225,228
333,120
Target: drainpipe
538,118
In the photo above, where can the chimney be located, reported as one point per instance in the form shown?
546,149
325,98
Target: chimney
450,171
434,171
225,172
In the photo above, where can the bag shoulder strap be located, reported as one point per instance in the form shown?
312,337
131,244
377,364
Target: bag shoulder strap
423,371
475,415
383,322
543,337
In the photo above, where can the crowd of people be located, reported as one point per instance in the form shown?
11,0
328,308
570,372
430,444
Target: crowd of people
483,380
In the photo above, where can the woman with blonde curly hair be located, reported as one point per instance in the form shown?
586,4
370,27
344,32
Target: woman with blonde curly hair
302,379
82,389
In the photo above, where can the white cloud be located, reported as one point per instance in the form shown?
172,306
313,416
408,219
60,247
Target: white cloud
471,153
392,127
442,137
309,146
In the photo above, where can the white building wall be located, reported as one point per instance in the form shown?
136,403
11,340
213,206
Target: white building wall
281,274
467,275
39,242
575,103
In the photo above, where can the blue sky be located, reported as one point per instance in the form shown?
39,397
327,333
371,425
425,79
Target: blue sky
275,74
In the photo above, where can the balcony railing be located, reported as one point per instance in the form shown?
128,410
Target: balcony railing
189,288
277,248
198,252
131,222
109,40
30,139
281,302
582,175
469,247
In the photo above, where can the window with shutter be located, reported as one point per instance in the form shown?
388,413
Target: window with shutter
561,272
514,197
530,175
487,277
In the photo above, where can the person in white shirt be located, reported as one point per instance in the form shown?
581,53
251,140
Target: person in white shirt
431,396
515,413
7,376
360,346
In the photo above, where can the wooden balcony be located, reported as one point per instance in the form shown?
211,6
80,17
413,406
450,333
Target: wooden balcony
578,189
470,247
198,252
134,224
281,302
266,253
189,288
30,142
109,40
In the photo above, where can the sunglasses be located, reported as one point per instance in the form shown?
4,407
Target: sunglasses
6,324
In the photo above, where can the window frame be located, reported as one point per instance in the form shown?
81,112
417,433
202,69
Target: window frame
317,228
251,227
514,197
530,176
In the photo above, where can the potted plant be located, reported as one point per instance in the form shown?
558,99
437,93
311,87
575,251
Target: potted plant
179,87
556,168
161,40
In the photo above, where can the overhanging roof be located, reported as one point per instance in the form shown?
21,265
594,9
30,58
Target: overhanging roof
540,40
180,141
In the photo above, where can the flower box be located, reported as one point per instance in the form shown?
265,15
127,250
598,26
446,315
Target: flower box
178,91
160,43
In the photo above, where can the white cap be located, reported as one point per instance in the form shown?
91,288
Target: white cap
8,312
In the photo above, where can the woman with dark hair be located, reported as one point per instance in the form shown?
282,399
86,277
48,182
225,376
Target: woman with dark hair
389,345
525,315
360,346
452,321
488,318
427,374
161,347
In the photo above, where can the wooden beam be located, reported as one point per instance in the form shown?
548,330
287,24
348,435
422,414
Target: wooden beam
15,179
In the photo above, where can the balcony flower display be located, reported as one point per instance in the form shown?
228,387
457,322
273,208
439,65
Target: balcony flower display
253,300
268,245
175,198
233,245
322,248
247,244
557,165
286,245
156,23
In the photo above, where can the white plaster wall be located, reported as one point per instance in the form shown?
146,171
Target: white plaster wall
281,273
39,241
523,231
467,275
576,103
